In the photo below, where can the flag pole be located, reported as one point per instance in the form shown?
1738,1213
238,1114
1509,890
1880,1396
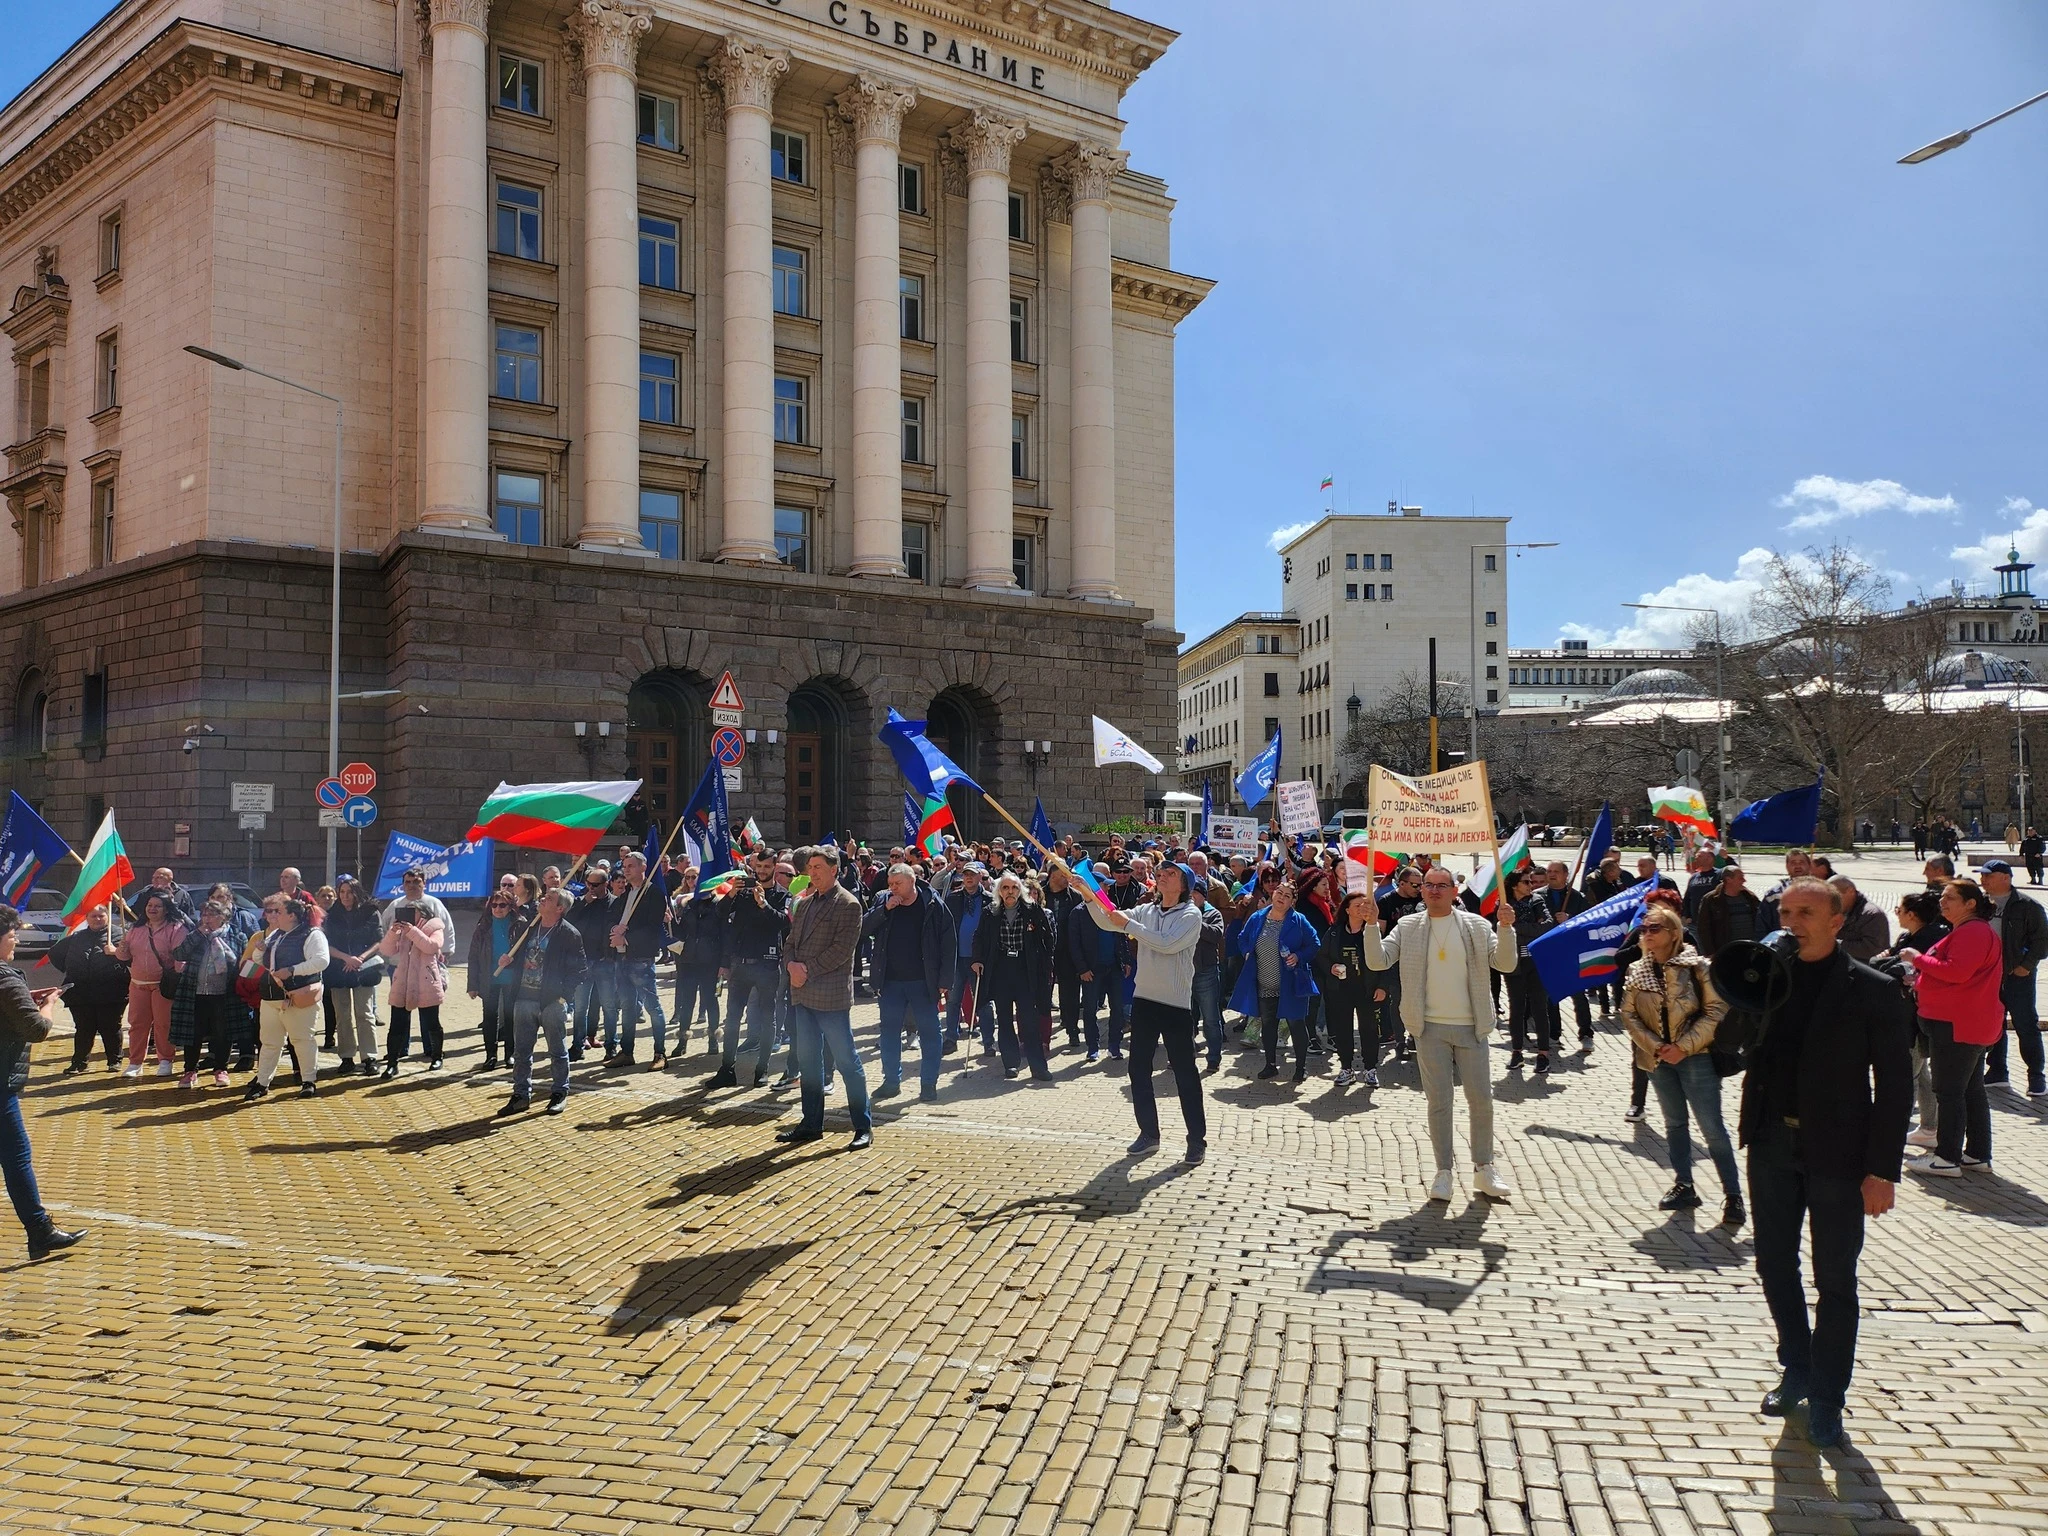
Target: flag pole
1500,880
1034,842
581,860
633,900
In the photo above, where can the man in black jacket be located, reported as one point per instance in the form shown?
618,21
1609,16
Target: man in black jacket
95,990
757,924
1824,1109
1062,897
637,941
914,961
1565,903
597,1008
699,927
968,907
1727,913
2023,933
547,969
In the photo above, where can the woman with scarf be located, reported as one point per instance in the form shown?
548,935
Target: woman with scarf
207,1007
1013,961
1278,980
488,942
1348,987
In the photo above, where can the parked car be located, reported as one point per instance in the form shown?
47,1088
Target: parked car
245,899
42,924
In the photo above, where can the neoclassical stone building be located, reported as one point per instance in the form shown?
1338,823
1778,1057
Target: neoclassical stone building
828,343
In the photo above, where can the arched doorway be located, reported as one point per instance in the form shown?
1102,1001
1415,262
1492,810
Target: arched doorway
667,744
958,724
816,761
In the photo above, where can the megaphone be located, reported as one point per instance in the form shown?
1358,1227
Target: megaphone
1755,977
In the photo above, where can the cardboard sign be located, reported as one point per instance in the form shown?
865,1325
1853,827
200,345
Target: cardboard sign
1449,812
1299,811
1232,835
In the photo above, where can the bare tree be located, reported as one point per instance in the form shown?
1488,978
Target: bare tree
1394,730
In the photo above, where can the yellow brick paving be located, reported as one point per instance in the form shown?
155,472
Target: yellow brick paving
385,1311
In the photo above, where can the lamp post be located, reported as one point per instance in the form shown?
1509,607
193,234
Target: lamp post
1720,725
1472,613
334,637
1957,140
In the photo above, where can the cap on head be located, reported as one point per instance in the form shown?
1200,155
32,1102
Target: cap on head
1994,867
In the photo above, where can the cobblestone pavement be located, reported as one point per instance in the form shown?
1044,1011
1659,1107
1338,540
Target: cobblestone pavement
384,1310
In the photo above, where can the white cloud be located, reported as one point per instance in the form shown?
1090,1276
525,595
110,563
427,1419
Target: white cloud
1822,499
1727,596
1280,538
2027,532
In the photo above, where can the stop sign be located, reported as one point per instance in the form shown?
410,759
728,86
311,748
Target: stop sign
359,778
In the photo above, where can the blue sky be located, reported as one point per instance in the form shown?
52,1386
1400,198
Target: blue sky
1644,277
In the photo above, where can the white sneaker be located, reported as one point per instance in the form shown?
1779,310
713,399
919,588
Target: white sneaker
1440,1186
131,1071
1923,1138
165,1069
1976,1164
1492,1183
1939,1167
1344,1078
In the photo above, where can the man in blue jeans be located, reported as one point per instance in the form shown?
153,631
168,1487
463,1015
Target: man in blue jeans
2022,929
913,970
966,907
824,931
1208,986
637,941
549,968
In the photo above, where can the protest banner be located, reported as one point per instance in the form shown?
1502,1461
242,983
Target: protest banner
459,871
1438,813
1233,835
1299,811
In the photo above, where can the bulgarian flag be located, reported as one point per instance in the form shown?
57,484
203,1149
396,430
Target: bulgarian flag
750,836
1514,853
1383,862
1328,481
1682,806
106,870
561,818
932,824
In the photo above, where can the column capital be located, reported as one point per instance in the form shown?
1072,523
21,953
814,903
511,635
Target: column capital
986,142
606,33
474,14
745,72
1088,170
876,108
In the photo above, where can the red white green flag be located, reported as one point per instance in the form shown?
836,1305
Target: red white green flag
932,824
1514,853
561,818
1682,806
106,871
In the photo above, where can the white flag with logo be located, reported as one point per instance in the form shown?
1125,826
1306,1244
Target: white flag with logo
1113,746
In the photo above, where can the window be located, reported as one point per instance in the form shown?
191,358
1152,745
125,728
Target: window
793,537
106,391
789,409
1272,726
1022,565
92,715
1351,562
1272,686
1493,647
1386,562
1386,592
917,551
1020,330
518,226
1492,618
659,241
1259,644
1367,592
1020,458
1492,562
786,155
789,281
1350,591
658,389
110,244
661,521
913,430
1019,229
1368,561
518,364
39,396
518,84
102,523
910,289
517,507
910,188
1493,674
658,118
1493,695
32,717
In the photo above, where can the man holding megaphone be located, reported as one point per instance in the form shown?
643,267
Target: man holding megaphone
1824,1110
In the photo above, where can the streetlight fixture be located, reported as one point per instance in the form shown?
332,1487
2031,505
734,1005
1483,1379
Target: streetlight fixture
334,638
1927,152
1472,613
1720,724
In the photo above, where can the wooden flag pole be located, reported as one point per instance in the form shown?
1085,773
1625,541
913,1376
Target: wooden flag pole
1500,879
581,860
1013,821
633,900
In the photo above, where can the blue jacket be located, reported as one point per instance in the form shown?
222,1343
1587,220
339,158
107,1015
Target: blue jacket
1297,981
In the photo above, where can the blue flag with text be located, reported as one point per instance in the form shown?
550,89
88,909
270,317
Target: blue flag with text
1256,782
1581,954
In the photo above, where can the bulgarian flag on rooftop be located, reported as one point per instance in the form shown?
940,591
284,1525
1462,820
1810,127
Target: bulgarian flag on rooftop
106,870
1683,806
1514,853
561,818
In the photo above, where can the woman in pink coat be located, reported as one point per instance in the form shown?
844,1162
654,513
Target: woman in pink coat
1960,1010
148,948
419,980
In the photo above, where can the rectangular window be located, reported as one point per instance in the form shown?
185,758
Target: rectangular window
1350,591
786,155
789,281
518,84
793,537
1368,561
517,507
910,188
103,523
917,553
1020,330
661,522
107,374
1493,647
658,372
92,713
1492,562
1492,618
1386,592
1493,695
518,364
1020,438
38,396
1022,565
110,245
1386,562
1351,562
1367,591
910,289
913,430
658,118
1019,229
789,410
1493,674
1272,686
518,221
660,239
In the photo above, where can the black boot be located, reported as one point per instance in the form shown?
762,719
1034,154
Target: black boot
52,1241
726,1077
1681,1197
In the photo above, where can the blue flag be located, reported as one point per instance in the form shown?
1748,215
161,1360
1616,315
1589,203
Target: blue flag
1202,833
1580,954
28,846
652,854
929,770
1791,817
1041,828
910,820
708,825
460,870
1601,838
1256,782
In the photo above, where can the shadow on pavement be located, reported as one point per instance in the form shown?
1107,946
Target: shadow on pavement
1802,1499
1648,1152
740,1174
1112,1192
671,1288
1419,1239
1988,1195
1690,1240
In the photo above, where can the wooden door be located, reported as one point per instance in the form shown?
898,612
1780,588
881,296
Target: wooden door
806,794
653,757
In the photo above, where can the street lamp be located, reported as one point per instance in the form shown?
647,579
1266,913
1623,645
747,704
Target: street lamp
1472,614
1720,725
334,639
1927,152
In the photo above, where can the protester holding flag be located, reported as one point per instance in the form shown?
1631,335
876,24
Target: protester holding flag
1165,932
24,1019
1278,980
148,947
548,966
637,940
95,989
1670,1010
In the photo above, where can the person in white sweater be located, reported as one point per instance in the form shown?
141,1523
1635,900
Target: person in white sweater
1443,952
1165,931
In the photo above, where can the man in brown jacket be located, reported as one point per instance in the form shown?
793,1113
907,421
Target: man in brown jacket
824,932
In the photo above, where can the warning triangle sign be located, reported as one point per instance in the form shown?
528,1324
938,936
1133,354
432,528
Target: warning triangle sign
726,695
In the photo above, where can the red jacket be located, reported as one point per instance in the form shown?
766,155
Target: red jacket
1959,980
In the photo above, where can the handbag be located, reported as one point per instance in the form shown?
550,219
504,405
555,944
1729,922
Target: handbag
166,981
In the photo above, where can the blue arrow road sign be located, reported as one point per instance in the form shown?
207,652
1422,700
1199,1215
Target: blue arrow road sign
359,812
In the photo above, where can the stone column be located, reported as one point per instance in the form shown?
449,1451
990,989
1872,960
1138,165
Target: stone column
456,379
1090,170
746,72
986,144
876,109
608,34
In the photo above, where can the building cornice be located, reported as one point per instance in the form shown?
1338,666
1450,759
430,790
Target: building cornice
183,56
1156,291
1075,32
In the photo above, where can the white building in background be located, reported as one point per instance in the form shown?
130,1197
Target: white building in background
1237,686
